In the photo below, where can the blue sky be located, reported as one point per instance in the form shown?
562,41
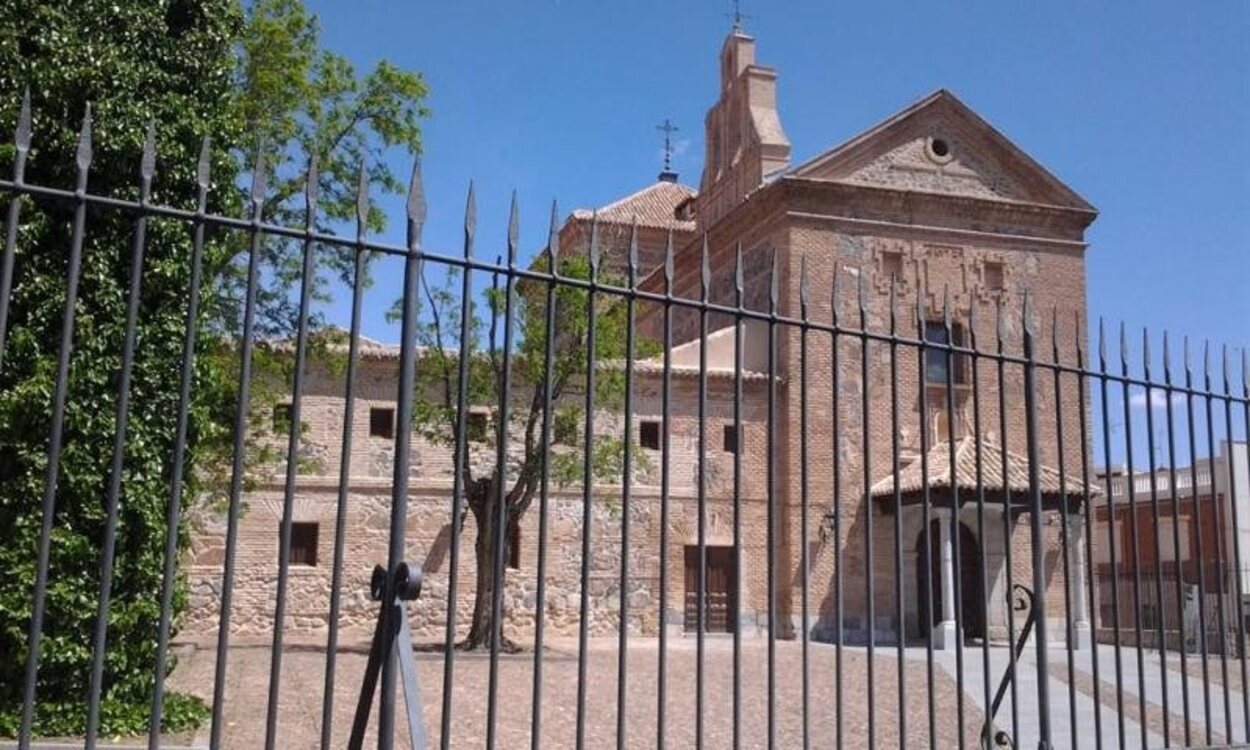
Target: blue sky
1142,107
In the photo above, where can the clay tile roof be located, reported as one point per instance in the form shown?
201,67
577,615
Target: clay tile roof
654,206
911,478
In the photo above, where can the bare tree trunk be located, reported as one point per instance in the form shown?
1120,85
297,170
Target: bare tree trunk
483,502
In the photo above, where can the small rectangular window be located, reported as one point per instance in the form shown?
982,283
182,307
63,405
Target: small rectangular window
475,426
892,266
938,360
649,434
304,543
729,440
994,277
281,418
382,422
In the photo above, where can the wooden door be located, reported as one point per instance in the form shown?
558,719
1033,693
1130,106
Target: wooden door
722,587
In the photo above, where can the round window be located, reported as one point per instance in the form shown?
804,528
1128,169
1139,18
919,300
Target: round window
938,150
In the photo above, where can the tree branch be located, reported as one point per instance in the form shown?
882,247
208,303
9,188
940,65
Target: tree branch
451,412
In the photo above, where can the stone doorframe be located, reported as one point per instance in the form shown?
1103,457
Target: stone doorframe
993,552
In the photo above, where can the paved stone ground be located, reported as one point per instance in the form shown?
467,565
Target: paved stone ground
300,713
303,664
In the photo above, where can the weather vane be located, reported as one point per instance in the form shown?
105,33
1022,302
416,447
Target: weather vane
737,15
668,129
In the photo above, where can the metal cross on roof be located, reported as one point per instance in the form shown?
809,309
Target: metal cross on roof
738,16
668,129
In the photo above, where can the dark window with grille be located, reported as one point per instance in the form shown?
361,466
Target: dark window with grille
382,422
304,543
938,361
729,440
649,435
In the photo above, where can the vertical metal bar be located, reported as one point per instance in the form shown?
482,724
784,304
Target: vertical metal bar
292,452
345,460
174,511
415,209
1161,610
700,618
1083,416
1178,568
21,142
503,499
238,465
773,500
540,607
739,336
588,477
1035,528
803,556
955,510
1245,408
866,504
895,468
461,463
61,388
926,504
1065,541
975,371
1008,520
1238,571
146,169
836,509
661,692
1220,583
622,651
1103,379
1134,530
1178,564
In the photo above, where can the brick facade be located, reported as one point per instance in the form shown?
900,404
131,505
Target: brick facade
933,198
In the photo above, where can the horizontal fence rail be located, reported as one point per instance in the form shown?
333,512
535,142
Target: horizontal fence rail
619,492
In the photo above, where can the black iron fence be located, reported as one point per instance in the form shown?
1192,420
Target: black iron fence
884,498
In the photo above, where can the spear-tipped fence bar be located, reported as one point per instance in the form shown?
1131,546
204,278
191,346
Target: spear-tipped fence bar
873,386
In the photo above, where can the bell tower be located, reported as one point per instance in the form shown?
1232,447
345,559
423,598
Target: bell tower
744,141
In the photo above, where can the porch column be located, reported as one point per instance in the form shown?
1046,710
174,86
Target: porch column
1082,634
944,634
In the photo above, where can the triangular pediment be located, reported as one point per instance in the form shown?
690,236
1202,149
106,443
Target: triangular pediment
939,145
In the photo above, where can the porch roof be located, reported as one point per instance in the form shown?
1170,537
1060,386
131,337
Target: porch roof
911,479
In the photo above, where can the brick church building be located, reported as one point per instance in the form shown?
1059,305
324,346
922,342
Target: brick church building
933,197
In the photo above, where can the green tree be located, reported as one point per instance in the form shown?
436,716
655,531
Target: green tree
195,68
300,100
539,391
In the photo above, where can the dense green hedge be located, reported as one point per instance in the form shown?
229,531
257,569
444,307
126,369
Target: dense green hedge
173,61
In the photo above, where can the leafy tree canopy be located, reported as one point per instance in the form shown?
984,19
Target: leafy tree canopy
196,68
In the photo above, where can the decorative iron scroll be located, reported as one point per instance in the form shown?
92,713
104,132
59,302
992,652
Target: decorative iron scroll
392,638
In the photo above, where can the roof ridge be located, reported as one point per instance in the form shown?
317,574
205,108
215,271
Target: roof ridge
637,193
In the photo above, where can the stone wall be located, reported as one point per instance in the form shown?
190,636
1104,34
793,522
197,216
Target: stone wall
429,541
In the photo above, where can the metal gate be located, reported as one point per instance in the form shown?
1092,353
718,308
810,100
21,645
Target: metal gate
621,420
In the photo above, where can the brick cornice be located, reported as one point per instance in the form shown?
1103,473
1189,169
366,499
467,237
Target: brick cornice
938,210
